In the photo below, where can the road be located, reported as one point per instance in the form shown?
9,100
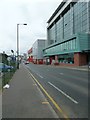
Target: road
68,87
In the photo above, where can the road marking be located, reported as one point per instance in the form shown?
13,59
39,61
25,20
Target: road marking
45,102
39,75
61,73
51,99
63,93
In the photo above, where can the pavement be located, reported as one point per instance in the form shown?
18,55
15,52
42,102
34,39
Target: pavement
24,99
82,68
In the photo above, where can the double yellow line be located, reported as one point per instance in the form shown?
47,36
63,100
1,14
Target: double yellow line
51,99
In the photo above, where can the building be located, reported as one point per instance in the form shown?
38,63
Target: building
24,56
68,34
30,56
36,52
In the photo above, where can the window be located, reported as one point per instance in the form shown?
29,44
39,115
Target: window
61,47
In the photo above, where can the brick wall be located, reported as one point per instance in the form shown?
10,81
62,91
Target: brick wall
80,59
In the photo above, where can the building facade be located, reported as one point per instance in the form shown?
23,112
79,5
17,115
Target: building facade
68,34
36,52
30,55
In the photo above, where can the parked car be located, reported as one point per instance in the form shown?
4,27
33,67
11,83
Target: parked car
4,67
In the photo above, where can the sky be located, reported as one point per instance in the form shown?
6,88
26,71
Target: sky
35,13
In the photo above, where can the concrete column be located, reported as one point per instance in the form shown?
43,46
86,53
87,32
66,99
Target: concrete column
72,17
48,41
55,32
80,59
88,16
63,26
56,59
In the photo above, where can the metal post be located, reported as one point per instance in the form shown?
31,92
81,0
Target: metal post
17,46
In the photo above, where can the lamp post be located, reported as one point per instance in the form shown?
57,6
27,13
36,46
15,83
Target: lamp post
18,44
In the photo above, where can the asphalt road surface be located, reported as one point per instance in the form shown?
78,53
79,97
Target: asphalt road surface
68,87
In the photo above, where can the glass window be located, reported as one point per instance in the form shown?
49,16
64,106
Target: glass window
80,15
59,29
65,46
61,47
52,35
71,44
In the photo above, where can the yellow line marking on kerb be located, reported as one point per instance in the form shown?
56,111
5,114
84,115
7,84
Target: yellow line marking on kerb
55,104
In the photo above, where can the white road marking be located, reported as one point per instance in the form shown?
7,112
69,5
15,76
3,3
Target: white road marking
61,73
63,93
39,75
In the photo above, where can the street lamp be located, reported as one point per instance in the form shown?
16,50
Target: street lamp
12,52
18,44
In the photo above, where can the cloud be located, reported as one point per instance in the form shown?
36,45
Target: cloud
33,12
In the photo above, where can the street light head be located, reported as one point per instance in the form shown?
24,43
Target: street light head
12,51
24,24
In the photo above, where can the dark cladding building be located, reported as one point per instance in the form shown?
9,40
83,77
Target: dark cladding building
68,34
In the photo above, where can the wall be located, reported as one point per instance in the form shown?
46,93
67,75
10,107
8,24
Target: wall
80,59
41,46
37,49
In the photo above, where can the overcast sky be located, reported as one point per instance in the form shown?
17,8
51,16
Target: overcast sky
33,12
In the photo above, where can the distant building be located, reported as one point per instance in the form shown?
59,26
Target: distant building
24,56
68,34
36,52
30,55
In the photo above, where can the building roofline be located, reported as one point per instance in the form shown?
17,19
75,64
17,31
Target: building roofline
56,11
59,7
40,39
